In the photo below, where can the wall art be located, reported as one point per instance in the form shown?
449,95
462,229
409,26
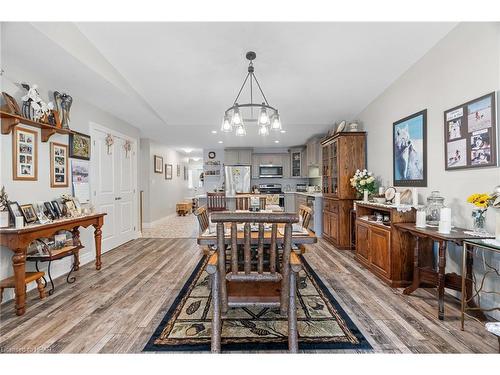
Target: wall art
24,154
79,146
168,171
410,150
158,164
58,165
470,134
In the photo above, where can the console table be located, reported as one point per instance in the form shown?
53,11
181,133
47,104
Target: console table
18,240
425,273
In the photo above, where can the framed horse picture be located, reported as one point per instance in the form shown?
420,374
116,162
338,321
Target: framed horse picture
409,144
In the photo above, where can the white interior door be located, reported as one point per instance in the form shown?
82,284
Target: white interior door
114,187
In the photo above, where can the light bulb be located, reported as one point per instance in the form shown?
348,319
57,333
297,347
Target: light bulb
240,131
226,125
263,130
263,118
276,123
236,116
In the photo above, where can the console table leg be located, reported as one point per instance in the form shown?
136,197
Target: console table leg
416,274
97,238
19,263
441,278
76,255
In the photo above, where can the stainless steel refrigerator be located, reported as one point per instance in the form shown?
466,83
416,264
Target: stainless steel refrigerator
237,179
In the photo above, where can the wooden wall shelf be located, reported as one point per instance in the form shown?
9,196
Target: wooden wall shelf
9,121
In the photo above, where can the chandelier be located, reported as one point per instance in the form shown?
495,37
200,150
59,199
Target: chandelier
267,119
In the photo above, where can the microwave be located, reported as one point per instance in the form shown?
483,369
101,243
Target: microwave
266,171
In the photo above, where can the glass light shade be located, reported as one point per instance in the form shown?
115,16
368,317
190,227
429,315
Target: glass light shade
276,123
240,131
263,117
237,120
226,125
263,130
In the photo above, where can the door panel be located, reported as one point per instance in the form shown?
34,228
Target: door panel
362,241
380,257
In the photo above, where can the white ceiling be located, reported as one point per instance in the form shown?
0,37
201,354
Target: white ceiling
174,80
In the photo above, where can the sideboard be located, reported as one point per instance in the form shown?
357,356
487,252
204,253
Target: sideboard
18,240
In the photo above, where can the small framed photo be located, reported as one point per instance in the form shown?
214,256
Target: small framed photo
60,240
178,170
40,214
158,164
79,146
29,213
49,211
71,208
57,208
168,171
185,173
24,154
11,104
15,211
58,165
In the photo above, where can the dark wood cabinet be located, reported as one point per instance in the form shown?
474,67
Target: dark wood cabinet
342,154
382,248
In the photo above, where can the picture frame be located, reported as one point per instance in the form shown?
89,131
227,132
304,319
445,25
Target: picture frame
29,213
409,145
70,208
185,173
470,134
79,146
158,164
57,208
50,212
40,214
168,171
178,170
58,165
24,154
14,211
11,104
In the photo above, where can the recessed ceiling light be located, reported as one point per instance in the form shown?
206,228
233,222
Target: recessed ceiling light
214,131
188,150
283,131
221,142
276,141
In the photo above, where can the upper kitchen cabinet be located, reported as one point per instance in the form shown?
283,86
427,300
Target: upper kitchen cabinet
313,151
238,156
274,159
297,163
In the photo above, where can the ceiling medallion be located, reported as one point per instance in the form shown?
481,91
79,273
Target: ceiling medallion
267,119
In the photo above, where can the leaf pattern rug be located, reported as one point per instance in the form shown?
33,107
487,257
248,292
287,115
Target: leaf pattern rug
322,323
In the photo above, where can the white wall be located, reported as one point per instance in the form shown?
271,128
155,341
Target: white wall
160,195
462,66
82,113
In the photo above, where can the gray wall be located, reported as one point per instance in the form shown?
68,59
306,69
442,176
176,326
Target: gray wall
462,66
160,195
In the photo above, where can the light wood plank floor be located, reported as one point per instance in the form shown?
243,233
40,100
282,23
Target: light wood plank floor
116,310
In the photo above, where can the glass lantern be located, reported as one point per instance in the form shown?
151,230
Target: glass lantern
433,209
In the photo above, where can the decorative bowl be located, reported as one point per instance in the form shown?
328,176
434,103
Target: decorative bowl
380,200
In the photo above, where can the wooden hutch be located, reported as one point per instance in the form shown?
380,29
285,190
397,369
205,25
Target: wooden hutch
342,154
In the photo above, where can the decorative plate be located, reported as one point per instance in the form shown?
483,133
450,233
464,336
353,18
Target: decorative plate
390,192
211,155
340,127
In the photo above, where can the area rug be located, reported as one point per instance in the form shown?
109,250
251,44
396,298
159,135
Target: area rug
322,323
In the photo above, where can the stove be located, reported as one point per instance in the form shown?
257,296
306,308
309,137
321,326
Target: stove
273,189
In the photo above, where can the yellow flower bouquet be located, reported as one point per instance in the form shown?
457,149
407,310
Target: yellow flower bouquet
481,201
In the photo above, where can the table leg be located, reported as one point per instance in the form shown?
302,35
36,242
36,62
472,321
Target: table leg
416,273
97,238
441,278
76,254
464,293
19,263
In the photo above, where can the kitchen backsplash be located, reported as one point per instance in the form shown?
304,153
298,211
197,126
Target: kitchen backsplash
283,181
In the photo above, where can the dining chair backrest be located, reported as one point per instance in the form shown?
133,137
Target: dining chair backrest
202,215
216,201
243,202
306,214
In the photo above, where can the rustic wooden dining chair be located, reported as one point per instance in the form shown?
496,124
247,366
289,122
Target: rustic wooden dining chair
305,213
251,283
243,202
203,223
216,201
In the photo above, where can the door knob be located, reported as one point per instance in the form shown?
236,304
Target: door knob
118,198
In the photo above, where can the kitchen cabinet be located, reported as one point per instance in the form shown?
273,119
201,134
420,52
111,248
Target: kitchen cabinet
238,156
313,151
290,202
297,163
270,159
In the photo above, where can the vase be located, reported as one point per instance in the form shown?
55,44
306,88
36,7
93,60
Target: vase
365,196
479,220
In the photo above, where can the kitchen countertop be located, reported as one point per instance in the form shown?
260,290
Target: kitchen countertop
315,194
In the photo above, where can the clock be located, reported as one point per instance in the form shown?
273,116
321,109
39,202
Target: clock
211,155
